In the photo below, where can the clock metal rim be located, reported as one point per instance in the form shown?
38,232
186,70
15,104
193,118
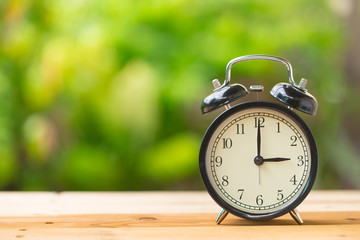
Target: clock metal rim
313,152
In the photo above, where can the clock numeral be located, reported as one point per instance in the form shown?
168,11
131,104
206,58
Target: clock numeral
294,139
240,129
293,180
301,160
225,180
280,196
227,143
218,161
241,191
259,121
259,200
278,127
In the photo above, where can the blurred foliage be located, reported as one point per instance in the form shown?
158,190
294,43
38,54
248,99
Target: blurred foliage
105,95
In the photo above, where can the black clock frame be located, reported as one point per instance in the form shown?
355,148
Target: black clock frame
313,152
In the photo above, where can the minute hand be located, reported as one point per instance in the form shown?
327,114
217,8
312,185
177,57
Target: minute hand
258,139
278,159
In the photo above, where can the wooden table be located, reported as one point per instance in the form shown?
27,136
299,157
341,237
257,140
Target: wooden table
167,215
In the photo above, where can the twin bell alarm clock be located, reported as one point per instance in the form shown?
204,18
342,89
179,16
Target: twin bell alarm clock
258,160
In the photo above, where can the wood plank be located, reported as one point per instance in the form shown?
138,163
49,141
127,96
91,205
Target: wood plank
170,220
337,225
167,215
52,203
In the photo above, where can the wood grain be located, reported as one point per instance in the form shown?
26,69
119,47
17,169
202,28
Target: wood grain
167,215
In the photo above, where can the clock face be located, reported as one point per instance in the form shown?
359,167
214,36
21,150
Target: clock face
258,160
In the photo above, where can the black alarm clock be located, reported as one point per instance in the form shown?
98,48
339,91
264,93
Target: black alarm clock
258,160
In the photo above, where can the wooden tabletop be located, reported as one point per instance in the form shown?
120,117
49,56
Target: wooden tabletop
167,215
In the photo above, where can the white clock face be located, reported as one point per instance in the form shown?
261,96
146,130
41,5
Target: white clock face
258,160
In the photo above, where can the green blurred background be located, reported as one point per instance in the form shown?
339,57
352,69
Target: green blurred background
105,95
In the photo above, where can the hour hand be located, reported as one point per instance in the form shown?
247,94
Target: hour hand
277,159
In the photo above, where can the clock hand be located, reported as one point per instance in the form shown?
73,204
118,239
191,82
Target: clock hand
258,138
277,159
258,145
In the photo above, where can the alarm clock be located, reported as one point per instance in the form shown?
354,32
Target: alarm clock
258,160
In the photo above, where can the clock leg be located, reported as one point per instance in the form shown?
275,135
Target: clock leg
222,215
296,216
